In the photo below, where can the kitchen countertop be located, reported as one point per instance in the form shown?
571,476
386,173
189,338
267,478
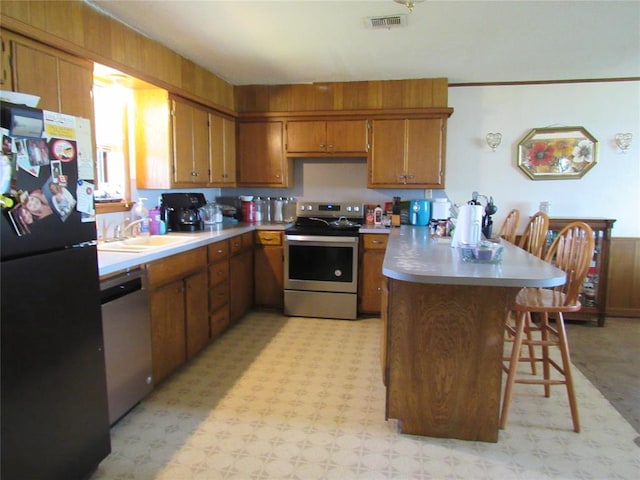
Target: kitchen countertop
111,262
413,256
375,229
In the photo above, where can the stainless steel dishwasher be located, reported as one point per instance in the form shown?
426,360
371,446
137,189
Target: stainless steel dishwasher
126,326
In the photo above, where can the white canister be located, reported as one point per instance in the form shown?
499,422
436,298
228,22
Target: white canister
440,209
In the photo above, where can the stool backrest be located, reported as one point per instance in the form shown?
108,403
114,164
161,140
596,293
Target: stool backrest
509,227
572,251
535,234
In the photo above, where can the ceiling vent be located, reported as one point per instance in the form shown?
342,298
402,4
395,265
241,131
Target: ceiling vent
387,22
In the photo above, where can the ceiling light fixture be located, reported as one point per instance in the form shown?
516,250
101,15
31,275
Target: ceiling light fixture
409,3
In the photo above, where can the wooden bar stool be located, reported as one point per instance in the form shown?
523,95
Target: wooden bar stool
533,241
571,251
535,234
509,228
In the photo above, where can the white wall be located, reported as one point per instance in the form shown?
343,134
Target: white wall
610,189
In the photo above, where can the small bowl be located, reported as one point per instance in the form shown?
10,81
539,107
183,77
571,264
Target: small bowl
482,252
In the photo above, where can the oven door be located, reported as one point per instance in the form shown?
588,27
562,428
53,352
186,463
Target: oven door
321,263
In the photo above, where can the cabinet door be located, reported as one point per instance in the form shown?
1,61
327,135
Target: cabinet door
222,151
197,312
76,85
347,136
200,125
371,281
182,142
30,66
305,137
269,276
386,162
190,144
425,151
69,79
261,160
168,334
229,151
240,284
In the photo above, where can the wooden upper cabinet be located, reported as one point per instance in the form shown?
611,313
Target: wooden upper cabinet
190,143
408,152
260,156
222,151
173,141
344,137
63,82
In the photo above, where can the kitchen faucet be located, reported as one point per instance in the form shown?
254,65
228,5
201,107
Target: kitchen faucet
119,231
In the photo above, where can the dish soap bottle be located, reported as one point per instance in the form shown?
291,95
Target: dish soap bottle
141,213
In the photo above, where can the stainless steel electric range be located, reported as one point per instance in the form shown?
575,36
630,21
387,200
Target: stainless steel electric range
321,260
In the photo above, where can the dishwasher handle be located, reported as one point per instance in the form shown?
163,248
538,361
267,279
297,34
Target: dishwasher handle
121,285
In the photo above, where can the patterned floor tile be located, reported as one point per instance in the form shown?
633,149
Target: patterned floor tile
301,398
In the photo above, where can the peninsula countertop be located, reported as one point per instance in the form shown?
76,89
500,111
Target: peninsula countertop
413,256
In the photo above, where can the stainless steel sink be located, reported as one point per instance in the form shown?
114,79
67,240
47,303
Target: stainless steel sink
143,244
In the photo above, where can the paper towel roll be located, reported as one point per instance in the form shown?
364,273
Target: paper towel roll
469,225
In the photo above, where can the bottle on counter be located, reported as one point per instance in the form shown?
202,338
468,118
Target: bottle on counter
377,215
155,221
141,213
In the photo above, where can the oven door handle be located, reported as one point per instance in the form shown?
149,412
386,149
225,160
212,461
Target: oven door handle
321,240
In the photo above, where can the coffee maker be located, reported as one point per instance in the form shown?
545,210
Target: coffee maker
181,211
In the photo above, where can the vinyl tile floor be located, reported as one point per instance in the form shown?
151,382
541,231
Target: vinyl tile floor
302,398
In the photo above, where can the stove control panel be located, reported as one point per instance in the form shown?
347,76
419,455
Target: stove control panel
330,209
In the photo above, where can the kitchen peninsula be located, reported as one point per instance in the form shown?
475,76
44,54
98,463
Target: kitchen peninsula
443,330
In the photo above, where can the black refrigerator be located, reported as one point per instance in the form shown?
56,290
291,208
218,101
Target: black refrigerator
54,412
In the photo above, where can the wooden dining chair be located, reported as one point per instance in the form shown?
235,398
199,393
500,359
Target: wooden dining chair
571,251
509,227
535,234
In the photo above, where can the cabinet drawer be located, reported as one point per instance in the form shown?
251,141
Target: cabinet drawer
241,242
218,251
264,237
176,266
219,321
235,244
218,296
218,273
372,241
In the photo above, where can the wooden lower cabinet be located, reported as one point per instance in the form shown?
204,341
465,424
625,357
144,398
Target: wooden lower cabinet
373,247
197,312
218,255
179,310
240,276
168,331
269,269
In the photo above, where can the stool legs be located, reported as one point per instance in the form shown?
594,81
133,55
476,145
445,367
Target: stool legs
522,335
